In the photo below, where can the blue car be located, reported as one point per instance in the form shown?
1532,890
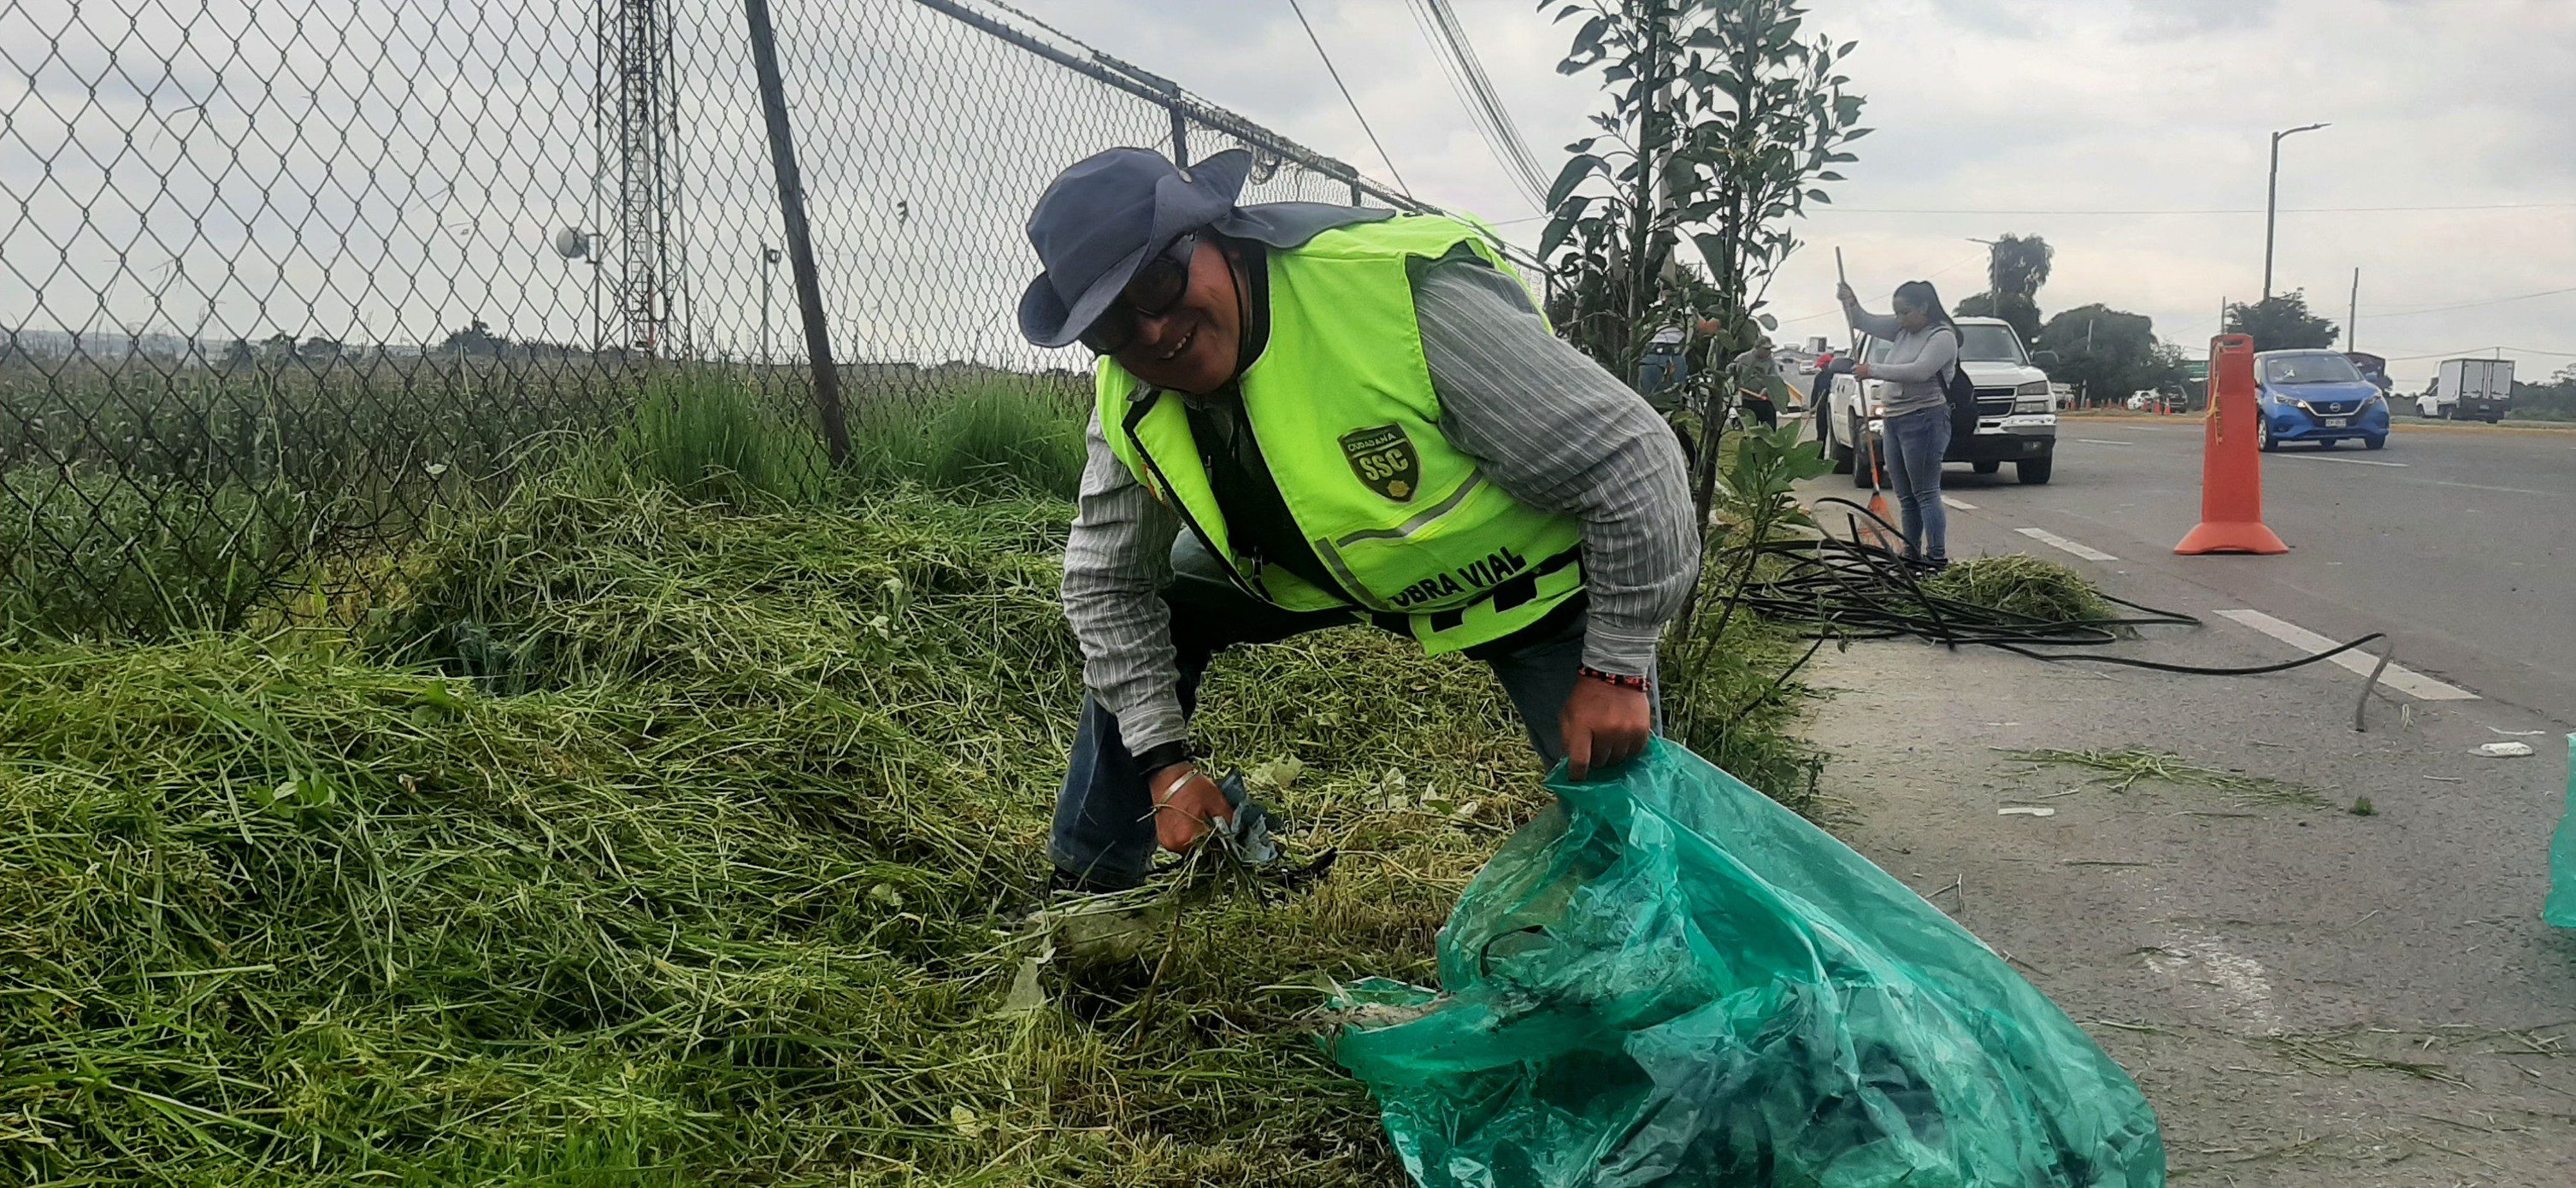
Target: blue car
2317,396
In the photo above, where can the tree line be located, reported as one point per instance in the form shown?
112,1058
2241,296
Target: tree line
2109,353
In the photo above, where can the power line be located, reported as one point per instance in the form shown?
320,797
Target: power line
2408,313
2472,352
1329,68
1486,100
1953,266
1459,87
2210,210
1456,62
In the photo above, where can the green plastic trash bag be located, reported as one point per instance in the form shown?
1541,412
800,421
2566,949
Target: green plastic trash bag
2561,909
1670,980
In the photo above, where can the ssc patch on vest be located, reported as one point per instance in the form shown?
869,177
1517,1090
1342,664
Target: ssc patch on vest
1384,459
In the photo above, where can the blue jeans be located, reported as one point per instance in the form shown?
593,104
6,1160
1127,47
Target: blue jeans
1104,823
1914,443
1659,378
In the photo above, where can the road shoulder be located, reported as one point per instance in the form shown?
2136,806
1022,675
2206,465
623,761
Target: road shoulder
2310,997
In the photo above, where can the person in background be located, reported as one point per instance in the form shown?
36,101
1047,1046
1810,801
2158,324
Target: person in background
1307,416
1922,351
1665,366
1753,375
1663,375
1818,389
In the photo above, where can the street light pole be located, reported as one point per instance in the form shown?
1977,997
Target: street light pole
2272,203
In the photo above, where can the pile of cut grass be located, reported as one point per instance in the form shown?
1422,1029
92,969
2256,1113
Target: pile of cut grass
2020,584
660,843
676,823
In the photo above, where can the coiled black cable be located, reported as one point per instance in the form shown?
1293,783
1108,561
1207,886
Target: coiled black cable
1849,588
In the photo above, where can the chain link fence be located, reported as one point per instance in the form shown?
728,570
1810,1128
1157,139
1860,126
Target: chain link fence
279,283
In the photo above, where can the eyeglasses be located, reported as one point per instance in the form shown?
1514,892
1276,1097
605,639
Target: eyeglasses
1158,286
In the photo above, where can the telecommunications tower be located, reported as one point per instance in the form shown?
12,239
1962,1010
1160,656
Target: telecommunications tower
637,129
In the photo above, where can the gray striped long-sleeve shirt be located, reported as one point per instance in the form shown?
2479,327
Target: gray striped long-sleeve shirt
1548,426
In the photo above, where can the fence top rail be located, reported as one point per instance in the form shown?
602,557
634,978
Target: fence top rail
1076,55
1144,84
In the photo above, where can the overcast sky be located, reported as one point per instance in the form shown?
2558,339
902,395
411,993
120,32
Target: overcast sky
2041,105
237,169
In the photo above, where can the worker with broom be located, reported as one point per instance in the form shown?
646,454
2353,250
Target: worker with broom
1310,415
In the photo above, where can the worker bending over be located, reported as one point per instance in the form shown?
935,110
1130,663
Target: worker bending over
1310,415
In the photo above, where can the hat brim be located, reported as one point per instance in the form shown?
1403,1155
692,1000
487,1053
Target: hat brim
1182,204
1048,322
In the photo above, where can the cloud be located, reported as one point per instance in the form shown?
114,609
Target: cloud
926,140
2171,20
2047,106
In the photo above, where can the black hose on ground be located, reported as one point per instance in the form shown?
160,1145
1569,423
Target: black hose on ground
1848,588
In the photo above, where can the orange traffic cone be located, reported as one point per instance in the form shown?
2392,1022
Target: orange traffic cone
2231,474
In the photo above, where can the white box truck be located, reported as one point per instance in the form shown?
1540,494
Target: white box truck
2469,390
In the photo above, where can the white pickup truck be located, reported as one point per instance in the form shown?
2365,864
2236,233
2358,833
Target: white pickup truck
2016,409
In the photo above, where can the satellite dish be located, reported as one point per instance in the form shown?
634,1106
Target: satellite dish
571,243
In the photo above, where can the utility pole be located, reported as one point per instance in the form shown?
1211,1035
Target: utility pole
2272,204
2352,316
799,236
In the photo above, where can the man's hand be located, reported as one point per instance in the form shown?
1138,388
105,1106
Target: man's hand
1843,293
1186,802
1604,726
1860,371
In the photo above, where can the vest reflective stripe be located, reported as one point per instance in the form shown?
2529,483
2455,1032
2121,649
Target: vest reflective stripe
1342,405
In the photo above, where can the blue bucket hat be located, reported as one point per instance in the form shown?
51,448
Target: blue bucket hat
1102,218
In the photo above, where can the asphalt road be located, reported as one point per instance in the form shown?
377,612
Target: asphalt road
2460,543
2315,993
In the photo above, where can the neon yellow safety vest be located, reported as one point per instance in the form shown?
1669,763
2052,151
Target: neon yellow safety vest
1342,405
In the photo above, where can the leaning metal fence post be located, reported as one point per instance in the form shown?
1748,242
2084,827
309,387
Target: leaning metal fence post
800,241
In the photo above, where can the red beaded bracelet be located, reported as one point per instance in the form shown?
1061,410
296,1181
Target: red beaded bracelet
1637,683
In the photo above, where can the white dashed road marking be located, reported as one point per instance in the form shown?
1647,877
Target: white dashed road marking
2484,487
2103,441
1961,504
2345,461
2399,677
2046,537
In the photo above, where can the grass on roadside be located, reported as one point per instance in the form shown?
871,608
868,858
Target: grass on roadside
675,822
666,844
84,554
98,545
979,439
2124,768
653,841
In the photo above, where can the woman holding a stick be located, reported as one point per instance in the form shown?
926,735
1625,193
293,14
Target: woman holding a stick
1922,350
